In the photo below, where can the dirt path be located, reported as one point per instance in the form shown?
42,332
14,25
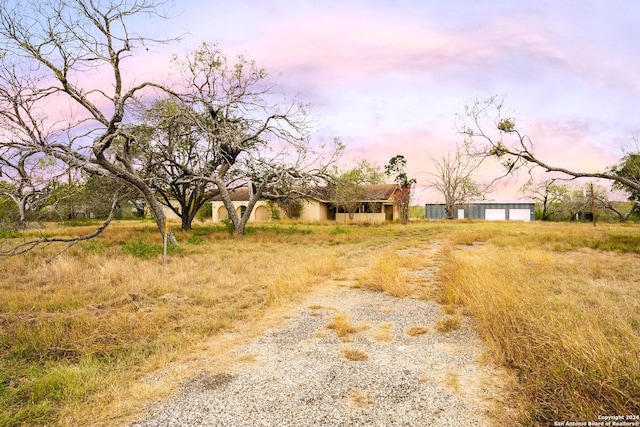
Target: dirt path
394,368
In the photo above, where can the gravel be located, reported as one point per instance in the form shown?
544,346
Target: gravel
299,377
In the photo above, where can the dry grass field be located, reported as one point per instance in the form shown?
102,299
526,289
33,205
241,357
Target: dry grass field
557,303
560,305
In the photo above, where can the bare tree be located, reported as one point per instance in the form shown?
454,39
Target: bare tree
52,52
490,135
255,138
621,210
584,199
29,177
454,180
602,201
26,246
548,193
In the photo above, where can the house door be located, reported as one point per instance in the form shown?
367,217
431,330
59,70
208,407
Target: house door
388,212
460,213
331,213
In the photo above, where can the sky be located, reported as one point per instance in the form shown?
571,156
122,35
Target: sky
389,77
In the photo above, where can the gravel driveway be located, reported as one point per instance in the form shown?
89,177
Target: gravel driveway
303,375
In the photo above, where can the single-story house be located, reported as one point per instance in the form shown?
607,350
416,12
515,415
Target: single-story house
377,205
489,211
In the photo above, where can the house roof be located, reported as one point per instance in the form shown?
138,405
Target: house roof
237,195
379,192
372,193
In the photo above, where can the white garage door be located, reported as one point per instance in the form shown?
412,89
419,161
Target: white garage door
520,215
495,214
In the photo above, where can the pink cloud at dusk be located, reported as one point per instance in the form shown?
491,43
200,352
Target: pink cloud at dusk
389,77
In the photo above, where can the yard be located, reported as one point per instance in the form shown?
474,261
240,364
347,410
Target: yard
558,304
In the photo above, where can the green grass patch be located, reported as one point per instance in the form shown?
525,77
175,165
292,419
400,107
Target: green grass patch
34,396
205,230
145,250
7,233
339,230
196,239
292,229
620,243
94,247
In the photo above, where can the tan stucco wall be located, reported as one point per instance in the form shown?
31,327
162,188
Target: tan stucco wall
313,210
260,211
360,217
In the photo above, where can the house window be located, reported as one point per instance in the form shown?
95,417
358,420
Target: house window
374,207
241,210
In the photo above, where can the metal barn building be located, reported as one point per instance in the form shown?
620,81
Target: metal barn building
489,211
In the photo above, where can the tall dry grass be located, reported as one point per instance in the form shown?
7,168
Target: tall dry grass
558,303
78,328
387,276
391,271
565,317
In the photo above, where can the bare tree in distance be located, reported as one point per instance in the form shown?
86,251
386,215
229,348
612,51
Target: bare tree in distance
581,199
548,193
28,245
28,179
454,179
52,52
490,135
622,210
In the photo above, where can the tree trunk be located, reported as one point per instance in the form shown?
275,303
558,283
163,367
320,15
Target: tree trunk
186,222
238,228
158,214
449,211
22,209
545,215
154,205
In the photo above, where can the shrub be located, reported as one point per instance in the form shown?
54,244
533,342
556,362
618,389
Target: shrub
205,212
339,230
292,207
274,212
8,233
94,247
196,239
